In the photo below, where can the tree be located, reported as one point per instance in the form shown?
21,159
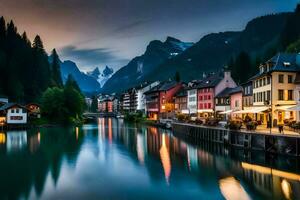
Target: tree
72,83
177,77
2,30
294,47
94,106
53,104
74,102
242,68
55,70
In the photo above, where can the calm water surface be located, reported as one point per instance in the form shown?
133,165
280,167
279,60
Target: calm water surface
114,160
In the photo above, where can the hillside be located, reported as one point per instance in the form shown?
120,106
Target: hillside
211,53
140,67
214,51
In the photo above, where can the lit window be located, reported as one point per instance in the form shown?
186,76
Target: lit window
280,78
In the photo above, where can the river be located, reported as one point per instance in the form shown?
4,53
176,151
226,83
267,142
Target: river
115,160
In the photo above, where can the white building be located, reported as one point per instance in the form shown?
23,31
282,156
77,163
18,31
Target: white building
192,101
141,98
12,113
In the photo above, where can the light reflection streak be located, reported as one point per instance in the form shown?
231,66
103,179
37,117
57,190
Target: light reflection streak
165,158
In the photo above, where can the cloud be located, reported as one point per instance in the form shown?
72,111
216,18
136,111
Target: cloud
91,56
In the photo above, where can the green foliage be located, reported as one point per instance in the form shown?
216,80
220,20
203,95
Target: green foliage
25,70
291,32
62,105
177,77
55,67
134,117
241,65
294,47
94,106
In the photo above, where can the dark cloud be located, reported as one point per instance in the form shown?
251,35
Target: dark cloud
83,26
91,56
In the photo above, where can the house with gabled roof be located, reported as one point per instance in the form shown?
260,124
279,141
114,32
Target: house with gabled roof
13,114
273,88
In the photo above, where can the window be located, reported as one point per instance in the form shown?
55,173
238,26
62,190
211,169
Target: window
192,99
290,95
264,81
280,95
200,98
268,95
260,82
280,78
201,106
236,103
217,101
17,110
209,105
264,97
205,106
268,80
12,110
254,96
290,79
208,97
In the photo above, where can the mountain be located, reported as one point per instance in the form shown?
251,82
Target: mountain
214,50
87,84
101,77
211,53
140,67
95,73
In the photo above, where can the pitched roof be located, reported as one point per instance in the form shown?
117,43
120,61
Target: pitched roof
210,81
181,93
224,93
281,62
229,91
9,105
163,86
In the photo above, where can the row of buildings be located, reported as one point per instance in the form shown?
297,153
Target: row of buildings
272,95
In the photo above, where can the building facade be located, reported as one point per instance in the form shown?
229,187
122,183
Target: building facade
141,98
160,102
181,102
274,88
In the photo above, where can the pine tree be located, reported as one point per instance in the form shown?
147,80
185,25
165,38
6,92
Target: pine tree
2,30
55,69
177,77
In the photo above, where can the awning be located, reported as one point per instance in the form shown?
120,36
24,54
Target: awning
252,110
226,112
294,108
206,111
284,108
185,111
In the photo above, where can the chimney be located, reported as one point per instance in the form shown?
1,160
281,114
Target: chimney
298,59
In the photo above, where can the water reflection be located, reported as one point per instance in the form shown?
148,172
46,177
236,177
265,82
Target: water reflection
115,160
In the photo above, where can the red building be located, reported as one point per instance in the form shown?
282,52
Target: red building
160,99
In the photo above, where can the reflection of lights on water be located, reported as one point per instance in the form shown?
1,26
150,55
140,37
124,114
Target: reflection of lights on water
267,170
77,132
140,148
165,159
109,130
39,137
2,138
286,189
231,189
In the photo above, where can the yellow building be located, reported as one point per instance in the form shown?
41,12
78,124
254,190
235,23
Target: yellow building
273,88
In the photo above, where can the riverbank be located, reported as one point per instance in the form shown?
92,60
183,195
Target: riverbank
249,140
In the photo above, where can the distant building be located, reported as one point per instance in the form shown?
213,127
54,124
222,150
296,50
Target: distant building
274,86
210,87
236,101
181,101
129,100
12,113
223,104
141,98
34,110
160,100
